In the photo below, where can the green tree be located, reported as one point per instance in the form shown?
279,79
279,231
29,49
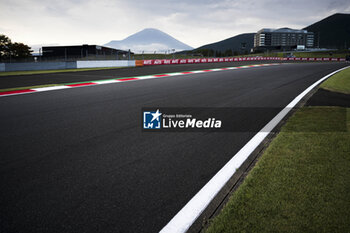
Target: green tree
204,52
20,50
217,53
9,50
228,53
5,44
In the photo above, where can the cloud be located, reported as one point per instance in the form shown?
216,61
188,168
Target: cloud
195,22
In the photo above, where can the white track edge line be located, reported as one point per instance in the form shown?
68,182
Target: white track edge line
183,220
101,82
105,82
50,88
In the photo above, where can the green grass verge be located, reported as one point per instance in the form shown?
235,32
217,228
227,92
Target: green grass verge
339,82
10,73
321,54
300,184
317,54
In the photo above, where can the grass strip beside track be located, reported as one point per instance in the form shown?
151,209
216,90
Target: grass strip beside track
300,184
339,82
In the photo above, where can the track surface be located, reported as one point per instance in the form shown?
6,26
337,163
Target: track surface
77,161
81,76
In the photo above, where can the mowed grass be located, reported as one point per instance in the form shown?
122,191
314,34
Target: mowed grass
302,181
10,73
339,82
316,54
333,54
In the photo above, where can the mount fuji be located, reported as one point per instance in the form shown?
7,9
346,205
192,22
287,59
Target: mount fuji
149,40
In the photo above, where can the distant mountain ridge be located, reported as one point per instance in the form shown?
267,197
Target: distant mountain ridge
332,32
149,40
240,43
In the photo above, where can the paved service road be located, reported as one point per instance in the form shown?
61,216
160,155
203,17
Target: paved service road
76,160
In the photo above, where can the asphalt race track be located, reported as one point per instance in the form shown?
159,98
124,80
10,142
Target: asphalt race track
59,78
76,160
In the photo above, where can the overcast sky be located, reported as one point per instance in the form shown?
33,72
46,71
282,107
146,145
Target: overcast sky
194,22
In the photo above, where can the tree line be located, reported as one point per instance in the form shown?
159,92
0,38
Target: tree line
13,50
218,53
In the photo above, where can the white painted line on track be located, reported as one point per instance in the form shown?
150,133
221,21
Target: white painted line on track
106,81
197,72
183,220
145,77
118,80
50,88
176,74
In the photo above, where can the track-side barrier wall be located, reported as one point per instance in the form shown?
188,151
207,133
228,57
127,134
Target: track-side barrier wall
131,63
2,67
37,66
230,59
101,64
27,66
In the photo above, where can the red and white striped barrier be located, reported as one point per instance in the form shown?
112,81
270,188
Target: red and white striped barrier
312,59
230,59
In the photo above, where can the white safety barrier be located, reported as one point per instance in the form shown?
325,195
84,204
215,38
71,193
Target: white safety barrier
105,63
